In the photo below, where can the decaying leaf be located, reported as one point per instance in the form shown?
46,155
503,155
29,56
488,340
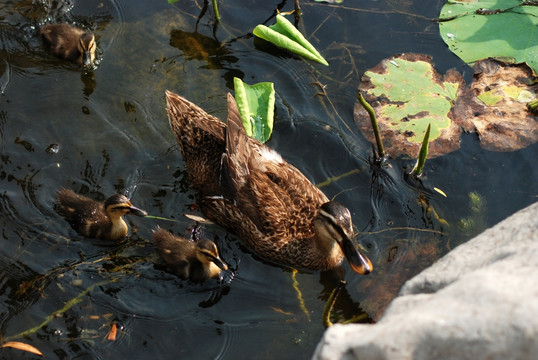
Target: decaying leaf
406,92
22,346
505,124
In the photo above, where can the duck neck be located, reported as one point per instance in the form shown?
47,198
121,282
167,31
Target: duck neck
213,270
330,251
200,271
118,228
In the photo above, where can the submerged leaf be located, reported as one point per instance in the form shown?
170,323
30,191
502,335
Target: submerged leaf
283,34
256,104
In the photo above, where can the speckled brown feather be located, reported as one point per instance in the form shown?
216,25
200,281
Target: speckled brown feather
249,189
201,139
103,220
88,217
179,254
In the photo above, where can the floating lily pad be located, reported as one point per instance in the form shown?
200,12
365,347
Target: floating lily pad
256,105
283,34
481,29
407,94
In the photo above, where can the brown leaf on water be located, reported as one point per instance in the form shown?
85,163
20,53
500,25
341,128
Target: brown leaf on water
494,105
112,334
504,123
23,347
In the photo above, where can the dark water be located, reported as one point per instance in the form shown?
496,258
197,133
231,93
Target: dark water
107,132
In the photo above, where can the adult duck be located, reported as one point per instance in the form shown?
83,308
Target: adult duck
250,190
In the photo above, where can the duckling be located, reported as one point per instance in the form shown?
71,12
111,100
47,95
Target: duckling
96,219
69,43
249,189
194,260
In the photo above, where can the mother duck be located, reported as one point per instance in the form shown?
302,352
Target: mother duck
247,188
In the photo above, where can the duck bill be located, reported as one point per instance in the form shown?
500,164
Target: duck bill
86,59
357,260
136,211
221,264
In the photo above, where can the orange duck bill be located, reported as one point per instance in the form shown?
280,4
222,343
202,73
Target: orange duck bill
358,261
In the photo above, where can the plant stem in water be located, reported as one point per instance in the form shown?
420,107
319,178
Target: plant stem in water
368,108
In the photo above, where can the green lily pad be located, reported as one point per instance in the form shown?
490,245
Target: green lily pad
482,29
407,95
283,34
256,104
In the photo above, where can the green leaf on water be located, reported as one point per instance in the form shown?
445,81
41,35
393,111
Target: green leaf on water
408,95
481,29
418,99
283,34
256,104
489,98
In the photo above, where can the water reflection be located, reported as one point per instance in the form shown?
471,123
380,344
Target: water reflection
217,55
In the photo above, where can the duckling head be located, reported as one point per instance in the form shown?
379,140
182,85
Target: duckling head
208,254
118,205
86,46
333,225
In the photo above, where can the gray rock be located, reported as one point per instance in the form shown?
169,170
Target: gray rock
480,301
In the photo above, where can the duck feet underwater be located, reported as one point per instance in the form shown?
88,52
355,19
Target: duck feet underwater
250,190
94,219
194,260
69,43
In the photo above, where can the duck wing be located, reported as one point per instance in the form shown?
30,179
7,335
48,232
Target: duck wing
269,191
201,140
77,208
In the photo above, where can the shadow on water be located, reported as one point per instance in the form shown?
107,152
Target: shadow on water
106,132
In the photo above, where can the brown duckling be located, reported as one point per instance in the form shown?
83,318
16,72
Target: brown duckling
70,43
96,219
252,191
194,260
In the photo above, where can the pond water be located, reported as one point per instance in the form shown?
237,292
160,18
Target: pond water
107,132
